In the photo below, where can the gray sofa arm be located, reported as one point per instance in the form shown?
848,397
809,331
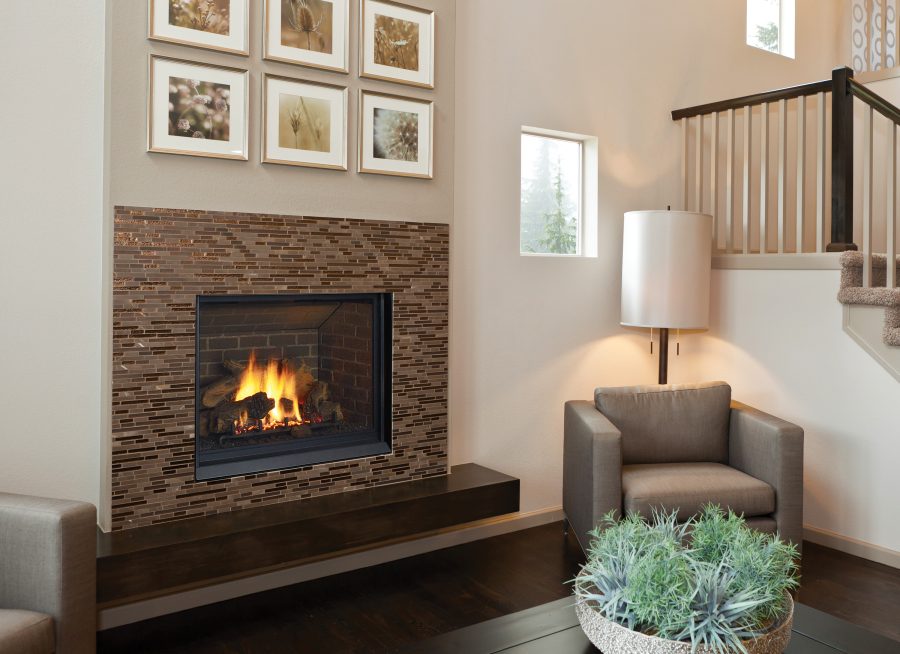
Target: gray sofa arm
771,449
48,564
592,468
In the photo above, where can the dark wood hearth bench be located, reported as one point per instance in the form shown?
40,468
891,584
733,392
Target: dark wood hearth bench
138,564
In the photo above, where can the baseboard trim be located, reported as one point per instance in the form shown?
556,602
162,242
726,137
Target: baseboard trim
852,546
158,606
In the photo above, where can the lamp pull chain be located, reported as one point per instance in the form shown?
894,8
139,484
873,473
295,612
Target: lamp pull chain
651,341
678,342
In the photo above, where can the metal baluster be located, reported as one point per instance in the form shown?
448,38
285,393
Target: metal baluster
729,185
698,165
684,163
820,174
801,169
891,213
763,177
746,199
714,177
782,165
868,163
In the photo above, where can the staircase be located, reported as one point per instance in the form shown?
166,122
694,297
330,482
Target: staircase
777,172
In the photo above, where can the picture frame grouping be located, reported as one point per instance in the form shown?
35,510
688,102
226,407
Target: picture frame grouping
202,109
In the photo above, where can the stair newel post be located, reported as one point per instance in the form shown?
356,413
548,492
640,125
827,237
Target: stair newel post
841,161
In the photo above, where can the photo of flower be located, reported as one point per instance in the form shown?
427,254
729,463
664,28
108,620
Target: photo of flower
307,24
396,42
395,135
199,109
203,15
304,123
308,32
220,25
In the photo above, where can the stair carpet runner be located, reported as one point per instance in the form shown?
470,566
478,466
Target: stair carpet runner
853,292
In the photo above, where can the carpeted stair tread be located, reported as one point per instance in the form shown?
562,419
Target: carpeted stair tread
852,291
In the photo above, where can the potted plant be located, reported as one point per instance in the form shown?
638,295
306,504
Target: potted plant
711,585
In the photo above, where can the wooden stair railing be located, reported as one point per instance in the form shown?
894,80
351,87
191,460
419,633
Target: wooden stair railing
747,183
874,103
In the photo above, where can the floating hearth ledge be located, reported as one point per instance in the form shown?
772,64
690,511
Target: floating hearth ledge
142,563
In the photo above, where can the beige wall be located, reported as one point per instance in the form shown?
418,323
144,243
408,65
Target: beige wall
529,333
777,337
162,180
51,274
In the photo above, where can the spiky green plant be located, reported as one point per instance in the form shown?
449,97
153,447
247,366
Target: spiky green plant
720,617
658,589
725,585
762,562
714,533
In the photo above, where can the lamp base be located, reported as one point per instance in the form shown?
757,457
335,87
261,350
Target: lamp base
663,355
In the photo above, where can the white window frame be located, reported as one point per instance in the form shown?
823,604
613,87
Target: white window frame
586,219
787,29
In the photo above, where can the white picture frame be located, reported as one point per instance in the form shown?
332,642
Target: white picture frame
197,109
388,145
396,43
170,21
304,123
325,30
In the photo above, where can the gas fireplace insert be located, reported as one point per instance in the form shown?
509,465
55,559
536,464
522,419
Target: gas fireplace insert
291,380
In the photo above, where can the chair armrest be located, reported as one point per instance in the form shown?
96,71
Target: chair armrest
48,564
771,449
592,467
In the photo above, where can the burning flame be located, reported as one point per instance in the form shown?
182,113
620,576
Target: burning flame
278,381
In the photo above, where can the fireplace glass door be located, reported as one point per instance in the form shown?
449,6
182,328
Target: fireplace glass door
287,381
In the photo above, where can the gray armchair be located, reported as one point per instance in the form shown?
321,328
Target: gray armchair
47,576
678,447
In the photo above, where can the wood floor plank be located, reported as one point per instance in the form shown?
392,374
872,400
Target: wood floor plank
395,605
853,589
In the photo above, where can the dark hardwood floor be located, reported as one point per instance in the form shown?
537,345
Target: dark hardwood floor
383,607
851,588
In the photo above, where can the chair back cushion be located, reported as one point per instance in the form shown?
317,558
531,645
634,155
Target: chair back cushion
669,424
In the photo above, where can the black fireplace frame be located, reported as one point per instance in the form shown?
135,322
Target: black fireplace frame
311,450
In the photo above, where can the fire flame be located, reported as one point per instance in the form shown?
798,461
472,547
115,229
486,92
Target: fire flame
278,381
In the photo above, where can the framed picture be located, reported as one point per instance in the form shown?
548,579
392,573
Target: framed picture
213,24
304,123
397,43
308,32
395,135
197,109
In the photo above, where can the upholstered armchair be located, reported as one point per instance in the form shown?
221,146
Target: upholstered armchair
641,448
48,576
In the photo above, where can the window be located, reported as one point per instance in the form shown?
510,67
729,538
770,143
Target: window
770,25
553,197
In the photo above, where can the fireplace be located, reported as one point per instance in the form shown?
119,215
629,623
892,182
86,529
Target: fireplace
293,380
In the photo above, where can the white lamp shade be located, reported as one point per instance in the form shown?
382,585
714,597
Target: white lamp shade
666,259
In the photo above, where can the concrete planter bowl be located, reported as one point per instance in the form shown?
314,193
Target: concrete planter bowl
612,638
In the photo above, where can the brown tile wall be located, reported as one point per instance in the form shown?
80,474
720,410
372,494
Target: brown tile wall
164,258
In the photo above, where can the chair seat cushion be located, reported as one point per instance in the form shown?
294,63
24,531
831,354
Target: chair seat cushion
26,632
687,487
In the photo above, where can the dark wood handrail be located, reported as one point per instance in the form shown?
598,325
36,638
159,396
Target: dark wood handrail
757,98
879,104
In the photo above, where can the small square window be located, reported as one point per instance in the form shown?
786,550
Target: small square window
552,195
770,25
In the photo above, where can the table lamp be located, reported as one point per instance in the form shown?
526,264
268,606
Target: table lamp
666,261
